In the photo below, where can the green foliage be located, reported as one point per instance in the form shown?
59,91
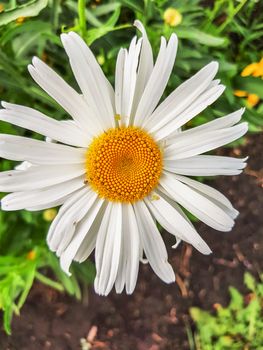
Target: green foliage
30,9
25,257
226,30
253,85
16,278
238,326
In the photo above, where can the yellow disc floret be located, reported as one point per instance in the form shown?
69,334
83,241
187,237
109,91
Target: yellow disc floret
123,164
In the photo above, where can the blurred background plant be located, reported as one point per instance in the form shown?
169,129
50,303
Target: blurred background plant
228,31
237,326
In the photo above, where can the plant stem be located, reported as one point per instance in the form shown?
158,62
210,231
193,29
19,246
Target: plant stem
55,13
49,282
82,17
231,16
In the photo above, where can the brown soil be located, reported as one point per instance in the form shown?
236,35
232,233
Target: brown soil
156,315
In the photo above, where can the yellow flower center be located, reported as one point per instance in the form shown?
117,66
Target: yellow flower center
123,164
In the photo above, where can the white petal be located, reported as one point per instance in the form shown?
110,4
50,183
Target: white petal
100,242
206,165
89,242
125,79
68,98
157,81
202,142
108,249
216,124
217,197
23,166
131,58
177,121
33,120
130,252
204,208
47,195
101,78
171,220
22,148
214,83
119,75
152,243
38,177
121,277
67,231
219,123
83,229
145,67
146,59
94,86
66,228
182,97
52,204
52,240
133,253
63,228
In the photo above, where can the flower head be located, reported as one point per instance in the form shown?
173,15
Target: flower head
172,17
122,162
31,255
49,214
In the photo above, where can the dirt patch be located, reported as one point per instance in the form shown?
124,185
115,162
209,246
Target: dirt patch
155,316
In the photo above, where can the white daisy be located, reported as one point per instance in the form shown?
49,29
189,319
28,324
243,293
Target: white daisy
122,163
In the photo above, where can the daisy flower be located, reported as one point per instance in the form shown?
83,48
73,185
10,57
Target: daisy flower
122,163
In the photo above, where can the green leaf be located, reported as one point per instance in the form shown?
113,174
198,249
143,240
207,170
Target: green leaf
28,40
196,313
250,282
96,33
236,299
69,283
200,37
30,9
30,26
8,313
254,118
10,287
85,271
134,5
105,9
91,18
250,84
49,282
114,18
28,284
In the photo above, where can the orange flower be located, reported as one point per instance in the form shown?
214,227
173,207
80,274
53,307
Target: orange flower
20,20
240,93
254,69
252,100
31,255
